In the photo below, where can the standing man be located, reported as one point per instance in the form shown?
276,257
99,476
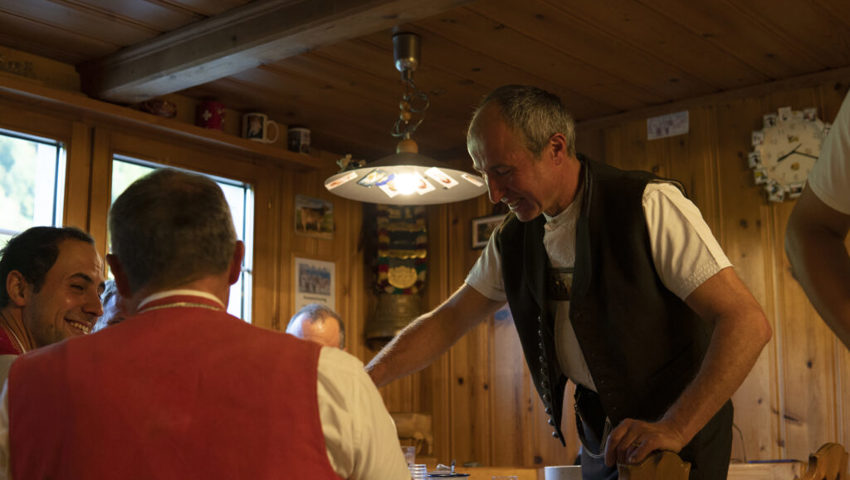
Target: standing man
51,281
818,226
180,389
318,323
613,280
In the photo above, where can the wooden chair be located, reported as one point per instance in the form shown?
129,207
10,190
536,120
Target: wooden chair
828,463
662,465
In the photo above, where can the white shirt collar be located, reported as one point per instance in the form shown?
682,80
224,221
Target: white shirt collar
176,292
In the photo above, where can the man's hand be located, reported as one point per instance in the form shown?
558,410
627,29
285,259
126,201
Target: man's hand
633,440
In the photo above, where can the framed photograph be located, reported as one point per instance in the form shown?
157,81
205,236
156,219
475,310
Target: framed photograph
482,227
314,281
314,217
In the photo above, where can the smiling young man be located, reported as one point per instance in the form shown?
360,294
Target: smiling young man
613,280
52,279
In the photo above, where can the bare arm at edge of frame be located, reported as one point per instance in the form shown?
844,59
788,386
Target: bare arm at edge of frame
815,245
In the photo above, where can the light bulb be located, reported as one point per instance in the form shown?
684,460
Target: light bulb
406,183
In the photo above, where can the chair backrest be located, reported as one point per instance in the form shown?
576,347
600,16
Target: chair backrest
661,465
415,429
828,463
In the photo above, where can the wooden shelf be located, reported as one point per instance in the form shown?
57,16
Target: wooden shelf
24,90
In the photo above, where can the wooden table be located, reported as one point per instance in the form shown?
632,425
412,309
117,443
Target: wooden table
791,470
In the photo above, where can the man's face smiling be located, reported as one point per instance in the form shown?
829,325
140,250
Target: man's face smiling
513,174
68,302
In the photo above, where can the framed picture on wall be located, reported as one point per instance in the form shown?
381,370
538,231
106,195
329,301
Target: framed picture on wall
314,281
482,227
314,217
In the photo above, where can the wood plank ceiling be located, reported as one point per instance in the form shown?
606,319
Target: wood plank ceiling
601,57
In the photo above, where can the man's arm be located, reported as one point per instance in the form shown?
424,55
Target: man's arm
814,243
427,337
740,332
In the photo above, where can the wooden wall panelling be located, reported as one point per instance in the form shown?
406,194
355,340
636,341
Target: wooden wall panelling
511,442
286,226
590,142
743,233
436,378
470,358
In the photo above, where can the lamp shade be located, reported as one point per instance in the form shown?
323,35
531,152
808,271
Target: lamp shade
406,179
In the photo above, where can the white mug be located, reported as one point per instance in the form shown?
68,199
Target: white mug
257,127
562,472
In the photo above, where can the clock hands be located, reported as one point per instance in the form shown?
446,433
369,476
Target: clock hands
783,157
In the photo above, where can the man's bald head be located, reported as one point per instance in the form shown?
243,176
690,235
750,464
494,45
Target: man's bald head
318,323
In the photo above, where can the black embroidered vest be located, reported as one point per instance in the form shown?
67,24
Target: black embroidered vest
642,344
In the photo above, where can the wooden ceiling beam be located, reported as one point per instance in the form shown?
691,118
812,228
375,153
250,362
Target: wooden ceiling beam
240,39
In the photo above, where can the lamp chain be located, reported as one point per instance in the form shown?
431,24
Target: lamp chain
414,103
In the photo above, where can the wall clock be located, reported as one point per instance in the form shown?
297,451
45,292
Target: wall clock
784,151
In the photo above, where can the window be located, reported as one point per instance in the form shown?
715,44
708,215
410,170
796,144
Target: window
239,196
32,183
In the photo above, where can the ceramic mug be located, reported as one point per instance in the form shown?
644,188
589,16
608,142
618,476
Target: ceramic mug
562,472
258,127
210,114
298,139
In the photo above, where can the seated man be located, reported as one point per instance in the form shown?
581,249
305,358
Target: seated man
313,322
51,281
180,389
114,307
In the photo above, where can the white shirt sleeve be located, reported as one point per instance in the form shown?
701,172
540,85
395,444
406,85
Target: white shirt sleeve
5,472
684,250
829,178
360,435
486,275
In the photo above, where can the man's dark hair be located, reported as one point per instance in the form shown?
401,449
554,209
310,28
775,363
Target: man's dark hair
317,312
33,253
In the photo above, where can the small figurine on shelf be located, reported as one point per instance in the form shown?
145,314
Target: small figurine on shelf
159,107
347,163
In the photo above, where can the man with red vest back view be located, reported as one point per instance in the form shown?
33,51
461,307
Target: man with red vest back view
180,389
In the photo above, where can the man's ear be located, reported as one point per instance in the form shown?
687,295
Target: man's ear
121,282
559,147
236,262
18,288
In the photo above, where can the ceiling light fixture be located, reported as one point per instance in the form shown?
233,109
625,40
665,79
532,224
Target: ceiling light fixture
406,177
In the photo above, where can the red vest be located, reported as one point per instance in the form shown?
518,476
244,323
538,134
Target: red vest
171,393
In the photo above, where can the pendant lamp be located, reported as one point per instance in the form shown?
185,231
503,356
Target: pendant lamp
406,177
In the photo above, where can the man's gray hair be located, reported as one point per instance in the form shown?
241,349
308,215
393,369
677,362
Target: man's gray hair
532,111
171,227
316,312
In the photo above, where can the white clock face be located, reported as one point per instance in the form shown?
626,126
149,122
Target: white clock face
785,150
